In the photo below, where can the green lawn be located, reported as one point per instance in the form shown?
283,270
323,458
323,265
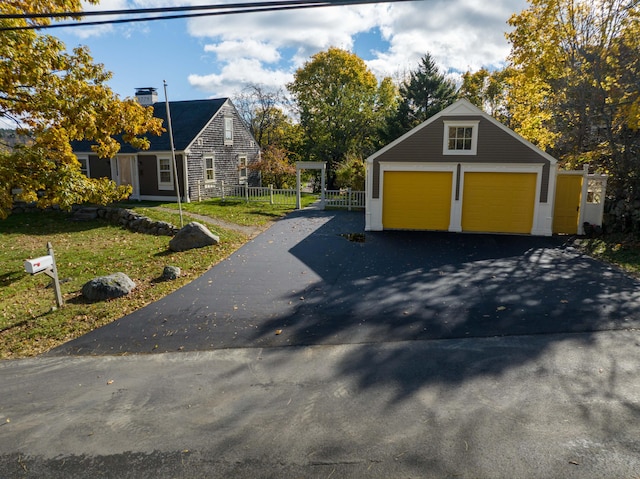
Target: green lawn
232,209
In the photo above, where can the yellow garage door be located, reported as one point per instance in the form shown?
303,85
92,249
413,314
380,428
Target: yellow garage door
498,202
417,200
566,212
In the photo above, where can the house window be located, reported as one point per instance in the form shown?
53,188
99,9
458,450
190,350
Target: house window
242,168
460,137
165,174
84,165
209,169
228,131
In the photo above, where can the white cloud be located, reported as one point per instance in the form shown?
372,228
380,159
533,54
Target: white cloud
459,34
97,30
266,48
230,50
235,75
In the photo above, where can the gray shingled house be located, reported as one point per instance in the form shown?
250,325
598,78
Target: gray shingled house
212,144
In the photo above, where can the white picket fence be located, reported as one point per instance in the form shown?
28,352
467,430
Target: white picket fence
345,198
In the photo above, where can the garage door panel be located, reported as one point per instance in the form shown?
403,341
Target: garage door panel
498,202
419,200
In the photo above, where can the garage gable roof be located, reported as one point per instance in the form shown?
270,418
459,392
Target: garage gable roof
463,108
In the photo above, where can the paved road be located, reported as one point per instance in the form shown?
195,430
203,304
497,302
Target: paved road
534,372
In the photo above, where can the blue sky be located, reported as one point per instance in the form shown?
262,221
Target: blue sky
218,56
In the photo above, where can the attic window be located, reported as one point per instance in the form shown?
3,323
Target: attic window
228,131
460,137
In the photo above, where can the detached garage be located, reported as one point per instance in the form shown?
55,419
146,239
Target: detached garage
461,171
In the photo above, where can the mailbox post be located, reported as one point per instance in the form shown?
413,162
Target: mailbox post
46,265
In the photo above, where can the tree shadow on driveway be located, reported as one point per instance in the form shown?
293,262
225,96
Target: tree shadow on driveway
417,285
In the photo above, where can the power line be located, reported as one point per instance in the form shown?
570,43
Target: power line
137,11
229,9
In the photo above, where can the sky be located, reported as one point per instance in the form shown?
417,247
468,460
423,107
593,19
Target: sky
213,57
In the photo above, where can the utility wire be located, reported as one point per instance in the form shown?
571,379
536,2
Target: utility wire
137,11
229,9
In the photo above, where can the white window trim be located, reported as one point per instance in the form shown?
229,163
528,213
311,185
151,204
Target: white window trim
84,158
228,131
242,179
164,185
461,124
213,167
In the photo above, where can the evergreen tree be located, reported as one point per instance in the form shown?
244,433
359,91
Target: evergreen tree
424,92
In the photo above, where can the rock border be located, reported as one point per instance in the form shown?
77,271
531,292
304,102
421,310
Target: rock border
127,219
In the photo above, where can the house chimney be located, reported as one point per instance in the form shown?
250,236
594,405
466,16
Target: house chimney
146,96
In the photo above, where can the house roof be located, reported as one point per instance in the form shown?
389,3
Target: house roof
188,119
463,107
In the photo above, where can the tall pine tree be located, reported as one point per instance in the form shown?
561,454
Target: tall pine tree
424,92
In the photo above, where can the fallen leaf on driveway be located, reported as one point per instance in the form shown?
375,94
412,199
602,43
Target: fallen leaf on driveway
501,308
110,381
278,331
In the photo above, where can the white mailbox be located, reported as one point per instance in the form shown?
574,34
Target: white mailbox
38,265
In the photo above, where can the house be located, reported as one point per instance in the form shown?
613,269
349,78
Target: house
212,145
463,171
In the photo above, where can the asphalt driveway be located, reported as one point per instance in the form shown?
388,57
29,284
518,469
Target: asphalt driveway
310,280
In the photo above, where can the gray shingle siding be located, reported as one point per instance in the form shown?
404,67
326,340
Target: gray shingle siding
226,157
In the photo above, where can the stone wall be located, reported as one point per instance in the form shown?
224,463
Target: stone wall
127,219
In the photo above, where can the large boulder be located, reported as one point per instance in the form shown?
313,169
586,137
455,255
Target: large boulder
107,287
193,235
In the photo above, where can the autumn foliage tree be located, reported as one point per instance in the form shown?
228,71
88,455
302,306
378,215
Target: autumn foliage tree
53,96
341,106
573,87
275,167
488,91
